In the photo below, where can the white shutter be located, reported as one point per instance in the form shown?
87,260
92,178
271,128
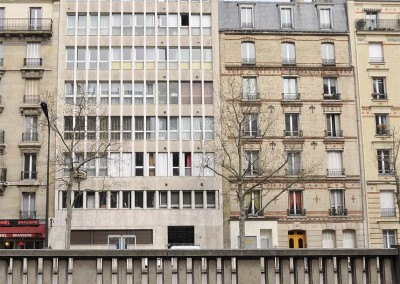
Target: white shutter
349,239
162,164
375,50
328,239
126,165
114,164
387,199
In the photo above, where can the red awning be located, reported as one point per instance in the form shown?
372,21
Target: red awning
23,232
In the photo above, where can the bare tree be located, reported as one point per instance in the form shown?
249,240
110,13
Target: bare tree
247,157
82,137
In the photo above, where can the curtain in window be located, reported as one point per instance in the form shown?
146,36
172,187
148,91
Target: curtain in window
375,51
126,165
33,50
335,161
185,128
387,199
288,50
327,50
185,91
162,165
349,240
328,239
197,128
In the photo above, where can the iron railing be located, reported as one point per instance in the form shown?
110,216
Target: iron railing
251,133
27,214
288,61
338,212
328,62
30,136
250,96
388,212
31,99
294,172
2,134
28,175
379,96
290,96
248,61
293,133
296,212
378,25
32,62
335,172
376,60
333,133
331,96
25,25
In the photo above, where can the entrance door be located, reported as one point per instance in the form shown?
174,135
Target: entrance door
297,239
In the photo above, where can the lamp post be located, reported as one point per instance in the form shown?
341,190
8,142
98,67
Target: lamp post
45,110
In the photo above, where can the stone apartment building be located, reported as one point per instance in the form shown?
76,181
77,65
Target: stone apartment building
145,73
28,70
375,38
295,68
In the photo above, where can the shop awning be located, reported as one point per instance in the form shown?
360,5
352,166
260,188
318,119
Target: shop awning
23,232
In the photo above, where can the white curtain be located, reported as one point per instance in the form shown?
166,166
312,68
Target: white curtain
328,239
162,164
33,50
375,50
387,199
327,50
334,160
185,128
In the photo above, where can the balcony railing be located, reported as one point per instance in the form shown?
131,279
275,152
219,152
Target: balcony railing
337,212
28,175
250,97
331,96
293,133
252,133
30,137
246,25
27,214
296,212
248,61
2,136
3,175
326,26
32,62
25,25
335,172
288,61
31,99
1,62
379,96
286,25
294,172
376,60
328,62
388,212
378,25
290,96
382,130
333,133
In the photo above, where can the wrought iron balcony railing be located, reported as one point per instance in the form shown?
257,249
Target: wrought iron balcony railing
246,25
286,25
248,61
328,61
27,214
340,211
31,99
252,133
250,97
331,96
30,137
32,62
1,62
296,212
388,212
293,133
290,96
288,61
335,172
379,96
382,130
3,175
378,25
294,172
333,133
28,175
376,60
25,25
2,136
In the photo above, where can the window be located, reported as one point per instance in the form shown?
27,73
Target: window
290,89
335,163
103,62
330,88
127,93
139,164
28,206
197,128
371,20
70,25
328,53
198,199
208,128
162,24
325,18
30,131
126,199
248,53
173,24
249,89
115,128
139,24
250,127
211,199
81,25
90,200
389,238
120,164
139,90
286,18
150,128
349,239
29,171
292,124
328,239
93,25
127,24
104,24
253,203
333,128
296,202
152,164
150,197
382,124
150,93
294,164
116,24
379,88
174,199
187,164
114,199
196,93
150,24
387,203
180,235
162,93
246,17
69,57
202,164
252,163
195,24
376,52
138,199
81,58
206,23
162,128
186,128
102,199
35,18
383,157
139,127
187,199
175,164
288,53
163,199
337,203
77,197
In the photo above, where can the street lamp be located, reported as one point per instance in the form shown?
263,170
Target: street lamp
45,110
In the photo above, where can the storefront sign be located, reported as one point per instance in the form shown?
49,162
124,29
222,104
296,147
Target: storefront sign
20,235
19,222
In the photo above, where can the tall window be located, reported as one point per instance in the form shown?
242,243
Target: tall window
383,157
378,88
335,163
376,52
249,88
325,18
28,206
29,171
246,17
248,53
139,163
328,239
371,20
333,128
286,18
288,53
253,203
290,92
330,87
387,203
337,203
294,163
328,53
35,18
251,162
250,127
382,124
389,238
30,131
296,202
292,127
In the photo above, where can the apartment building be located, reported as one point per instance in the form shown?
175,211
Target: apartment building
375,37
290,62
28,38
143,73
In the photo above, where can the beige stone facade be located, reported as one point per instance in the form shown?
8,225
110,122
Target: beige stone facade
375,46
28,45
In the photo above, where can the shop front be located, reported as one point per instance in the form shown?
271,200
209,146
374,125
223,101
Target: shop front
21,234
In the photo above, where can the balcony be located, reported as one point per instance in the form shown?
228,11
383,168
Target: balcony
338,212
288,61
248,61
379,96
376,60
31,136
26,27
333,133
286,25
33,62
246,25
331,97
294,172
2,134
28,175
30,105
27,214
328,62
250,97
292,133
3,180
378,25
335,172
32,69
382,130
296,212
1,104
290,96
251,133
388,212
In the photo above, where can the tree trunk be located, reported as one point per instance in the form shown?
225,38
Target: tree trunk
242,218
68,219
